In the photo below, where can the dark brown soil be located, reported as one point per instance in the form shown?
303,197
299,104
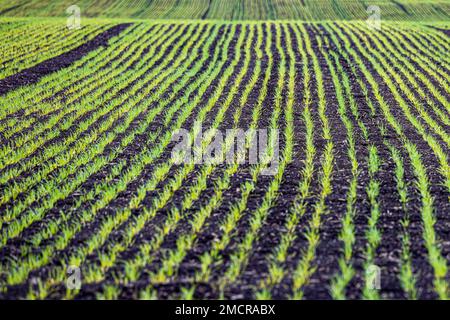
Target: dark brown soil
445,31
34,74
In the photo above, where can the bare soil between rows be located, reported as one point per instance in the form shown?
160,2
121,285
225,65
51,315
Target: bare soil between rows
34,74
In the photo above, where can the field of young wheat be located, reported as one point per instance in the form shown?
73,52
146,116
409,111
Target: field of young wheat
89,186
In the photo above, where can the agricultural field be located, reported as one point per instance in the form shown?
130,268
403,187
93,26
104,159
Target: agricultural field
90,190
310,10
